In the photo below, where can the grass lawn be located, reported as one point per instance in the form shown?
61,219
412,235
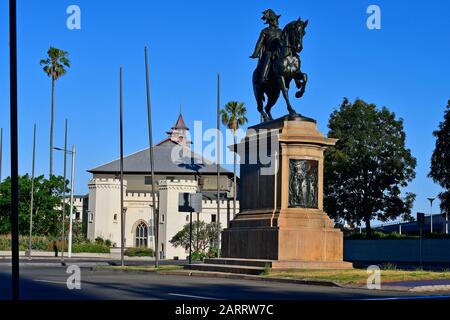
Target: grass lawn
358,276
148,268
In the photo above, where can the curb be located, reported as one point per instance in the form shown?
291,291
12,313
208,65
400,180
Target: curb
212,274
58,264
246,277
224,275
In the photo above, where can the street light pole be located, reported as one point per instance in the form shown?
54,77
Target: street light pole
431,213
32,193
71,201
64,196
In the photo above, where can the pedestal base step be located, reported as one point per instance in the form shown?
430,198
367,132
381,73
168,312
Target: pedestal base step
257,266
225,268
281,264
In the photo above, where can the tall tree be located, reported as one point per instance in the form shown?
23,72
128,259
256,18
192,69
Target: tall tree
440,160
47,205
54,67
233,116
365,171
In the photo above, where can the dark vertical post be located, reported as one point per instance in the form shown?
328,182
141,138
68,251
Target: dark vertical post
64,197
14,150
190,236
218,160
228,212
32,192
198,230
122,213
152,164
420,247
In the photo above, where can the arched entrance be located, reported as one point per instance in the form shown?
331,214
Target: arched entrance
141,235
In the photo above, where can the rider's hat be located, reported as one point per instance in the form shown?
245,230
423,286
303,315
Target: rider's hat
269,14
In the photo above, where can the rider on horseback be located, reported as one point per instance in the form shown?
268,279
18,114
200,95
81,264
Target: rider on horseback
267,44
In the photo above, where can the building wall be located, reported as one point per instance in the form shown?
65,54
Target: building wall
104,210
136,181
104,213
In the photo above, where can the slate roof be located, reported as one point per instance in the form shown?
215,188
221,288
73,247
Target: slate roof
185,162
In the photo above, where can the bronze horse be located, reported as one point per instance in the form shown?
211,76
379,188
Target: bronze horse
285,68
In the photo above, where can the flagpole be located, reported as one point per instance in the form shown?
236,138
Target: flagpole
218,162
122,213
152,165
32,193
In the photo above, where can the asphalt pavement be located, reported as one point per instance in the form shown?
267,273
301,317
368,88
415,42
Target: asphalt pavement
50,283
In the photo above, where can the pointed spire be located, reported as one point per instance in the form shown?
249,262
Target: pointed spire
180,123
178,133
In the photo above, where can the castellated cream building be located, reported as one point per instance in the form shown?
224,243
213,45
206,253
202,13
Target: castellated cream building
177,169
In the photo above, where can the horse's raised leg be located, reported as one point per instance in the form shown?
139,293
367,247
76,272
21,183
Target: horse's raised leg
285,93
300,81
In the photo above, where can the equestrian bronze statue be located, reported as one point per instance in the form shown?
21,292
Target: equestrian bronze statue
279,63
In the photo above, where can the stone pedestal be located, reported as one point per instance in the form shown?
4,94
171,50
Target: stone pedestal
281,214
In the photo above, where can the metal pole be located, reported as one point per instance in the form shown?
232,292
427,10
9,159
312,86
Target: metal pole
218,162
152,164
64,197
122,214
190,237
446,222
431,213
420,248
72,178
14,150
32,193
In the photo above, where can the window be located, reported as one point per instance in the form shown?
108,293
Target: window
91,217
115,217
187,218
148,180
141,235
213,218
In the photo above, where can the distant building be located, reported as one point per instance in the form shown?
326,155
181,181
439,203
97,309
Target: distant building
439,225
177,169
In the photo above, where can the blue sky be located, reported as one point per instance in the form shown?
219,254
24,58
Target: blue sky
403,66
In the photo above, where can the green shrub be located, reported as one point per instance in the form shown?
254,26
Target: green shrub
108,243
436,235
139,252
99,240
266,271
198,256
213,252
90,248
388,266
378,235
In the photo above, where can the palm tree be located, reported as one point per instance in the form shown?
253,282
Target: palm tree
233,116
54,67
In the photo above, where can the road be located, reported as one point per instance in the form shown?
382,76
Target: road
49,283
